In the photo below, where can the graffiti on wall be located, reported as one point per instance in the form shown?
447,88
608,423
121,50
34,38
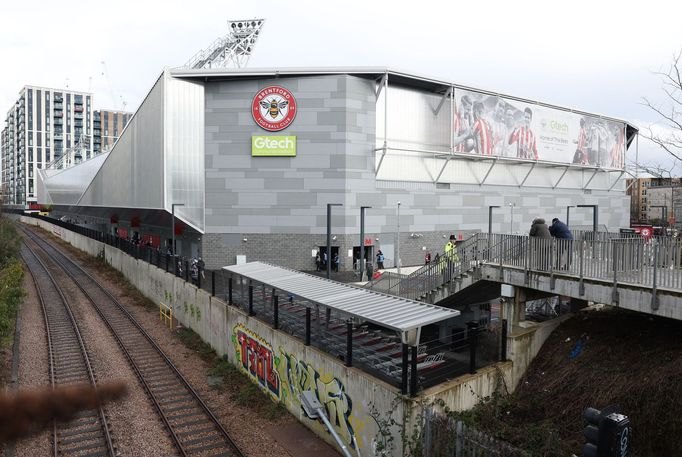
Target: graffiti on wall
298,376
256,358
285,377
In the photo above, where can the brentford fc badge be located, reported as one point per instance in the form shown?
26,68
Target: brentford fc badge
274,108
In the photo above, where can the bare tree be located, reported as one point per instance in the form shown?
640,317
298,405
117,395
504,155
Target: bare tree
670,114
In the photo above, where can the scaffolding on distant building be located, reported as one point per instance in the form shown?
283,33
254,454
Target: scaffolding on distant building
232,50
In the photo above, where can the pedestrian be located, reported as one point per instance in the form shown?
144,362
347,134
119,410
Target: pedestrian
194,271
380,260
427,258
563,234
317,261
336,262
368,268
451,258
201,265
324,260
540,239
450,249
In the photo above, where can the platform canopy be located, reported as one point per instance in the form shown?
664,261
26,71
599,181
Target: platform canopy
402,315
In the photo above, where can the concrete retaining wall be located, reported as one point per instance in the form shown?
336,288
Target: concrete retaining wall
283,366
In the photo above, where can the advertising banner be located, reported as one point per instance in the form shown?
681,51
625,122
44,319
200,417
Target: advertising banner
493,125
273,146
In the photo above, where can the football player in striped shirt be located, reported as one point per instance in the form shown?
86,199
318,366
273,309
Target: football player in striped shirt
526,147
481,131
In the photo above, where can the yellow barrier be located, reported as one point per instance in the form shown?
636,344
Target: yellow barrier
166,314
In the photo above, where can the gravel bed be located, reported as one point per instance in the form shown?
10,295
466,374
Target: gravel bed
33,364
245,427
135,426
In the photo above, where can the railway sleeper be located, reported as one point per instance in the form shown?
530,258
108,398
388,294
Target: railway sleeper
85,435
68,433
197,431
207,447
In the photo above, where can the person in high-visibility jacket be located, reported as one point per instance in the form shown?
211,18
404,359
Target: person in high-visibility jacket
451,250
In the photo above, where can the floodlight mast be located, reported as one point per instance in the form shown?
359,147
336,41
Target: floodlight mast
232,50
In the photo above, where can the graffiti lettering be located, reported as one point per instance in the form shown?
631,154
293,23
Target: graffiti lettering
299,376
257,358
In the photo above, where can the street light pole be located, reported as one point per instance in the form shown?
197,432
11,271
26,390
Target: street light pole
173,227
490,218
397,252
329,237
362,240
511,223
568,213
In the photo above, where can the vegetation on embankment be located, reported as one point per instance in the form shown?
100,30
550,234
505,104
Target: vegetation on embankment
11,275
625,358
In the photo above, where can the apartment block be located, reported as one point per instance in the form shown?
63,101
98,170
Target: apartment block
41,125
108,126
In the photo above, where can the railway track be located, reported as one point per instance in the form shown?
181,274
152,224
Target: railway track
192,427
88,434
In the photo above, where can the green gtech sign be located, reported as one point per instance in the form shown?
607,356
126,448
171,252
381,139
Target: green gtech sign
273,146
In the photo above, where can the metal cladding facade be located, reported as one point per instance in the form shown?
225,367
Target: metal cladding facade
361,137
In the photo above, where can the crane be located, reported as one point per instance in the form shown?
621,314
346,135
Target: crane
105,74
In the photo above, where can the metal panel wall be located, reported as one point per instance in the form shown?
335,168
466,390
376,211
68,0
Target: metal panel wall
65,187
415,120
132,174
184,150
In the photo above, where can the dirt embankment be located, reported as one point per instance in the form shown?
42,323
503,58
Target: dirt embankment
630,359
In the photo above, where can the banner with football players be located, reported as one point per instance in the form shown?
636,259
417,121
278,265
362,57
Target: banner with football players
493,125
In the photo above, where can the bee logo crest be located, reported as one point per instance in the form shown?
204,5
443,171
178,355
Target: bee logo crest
274,108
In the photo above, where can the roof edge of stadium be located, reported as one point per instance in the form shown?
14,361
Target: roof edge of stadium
406,77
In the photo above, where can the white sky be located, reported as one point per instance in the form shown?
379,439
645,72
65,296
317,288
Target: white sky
596,56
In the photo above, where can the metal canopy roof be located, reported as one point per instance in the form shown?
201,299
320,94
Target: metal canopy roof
400,314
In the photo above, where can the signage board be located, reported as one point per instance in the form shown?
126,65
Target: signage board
273,146
489,124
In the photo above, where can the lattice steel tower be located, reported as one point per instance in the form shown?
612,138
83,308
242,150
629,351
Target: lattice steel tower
233,50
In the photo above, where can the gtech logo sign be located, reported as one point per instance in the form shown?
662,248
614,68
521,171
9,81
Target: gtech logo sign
273,108
273,146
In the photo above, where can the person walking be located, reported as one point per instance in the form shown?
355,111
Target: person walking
451,258
380,260
317,262
539,236
427,258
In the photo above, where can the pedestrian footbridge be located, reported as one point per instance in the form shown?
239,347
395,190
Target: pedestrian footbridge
639,274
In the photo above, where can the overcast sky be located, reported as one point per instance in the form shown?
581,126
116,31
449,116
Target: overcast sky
597,56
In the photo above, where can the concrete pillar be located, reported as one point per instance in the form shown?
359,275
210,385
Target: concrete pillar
514,308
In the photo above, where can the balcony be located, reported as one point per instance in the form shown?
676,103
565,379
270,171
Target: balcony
78,108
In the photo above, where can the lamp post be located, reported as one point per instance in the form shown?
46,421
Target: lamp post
511,223
397,251
329,237
490,218
362,240
568,213
173,226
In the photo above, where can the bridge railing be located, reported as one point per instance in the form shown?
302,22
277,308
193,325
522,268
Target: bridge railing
655,262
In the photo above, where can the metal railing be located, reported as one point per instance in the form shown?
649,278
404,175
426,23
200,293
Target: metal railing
651,263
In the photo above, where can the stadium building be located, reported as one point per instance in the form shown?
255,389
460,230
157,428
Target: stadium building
248,160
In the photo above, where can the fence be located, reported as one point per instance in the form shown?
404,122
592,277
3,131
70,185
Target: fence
447,437
374,350
652,263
